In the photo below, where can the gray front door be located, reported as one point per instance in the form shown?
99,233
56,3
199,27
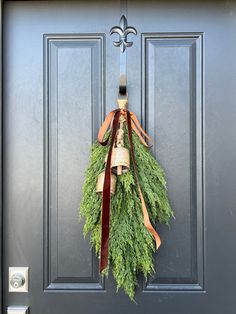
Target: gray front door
61,74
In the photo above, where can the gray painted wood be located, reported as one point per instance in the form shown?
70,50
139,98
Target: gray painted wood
60,77
172,110
74,97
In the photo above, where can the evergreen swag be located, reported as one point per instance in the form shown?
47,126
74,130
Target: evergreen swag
131,246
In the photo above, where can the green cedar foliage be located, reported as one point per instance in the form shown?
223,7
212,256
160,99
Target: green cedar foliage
131,246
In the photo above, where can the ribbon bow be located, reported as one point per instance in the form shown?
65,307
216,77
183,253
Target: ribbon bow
112,120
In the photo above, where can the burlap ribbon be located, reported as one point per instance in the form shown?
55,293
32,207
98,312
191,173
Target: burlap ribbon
112,121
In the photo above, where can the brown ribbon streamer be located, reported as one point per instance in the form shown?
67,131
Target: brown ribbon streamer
106,196
132,123
147,222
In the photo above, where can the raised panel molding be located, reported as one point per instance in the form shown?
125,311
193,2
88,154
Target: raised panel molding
172,112
73,111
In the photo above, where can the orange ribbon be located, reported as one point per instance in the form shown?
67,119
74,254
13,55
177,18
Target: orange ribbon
146,219
133,124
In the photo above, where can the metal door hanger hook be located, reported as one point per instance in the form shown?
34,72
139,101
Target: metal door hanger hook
123,30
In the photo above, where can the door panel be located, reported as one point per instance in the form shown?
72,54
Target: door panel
73,112
61,74
172,109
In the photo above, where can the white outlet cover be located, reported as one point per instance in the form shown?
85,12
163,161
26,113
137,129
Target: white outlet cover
19,270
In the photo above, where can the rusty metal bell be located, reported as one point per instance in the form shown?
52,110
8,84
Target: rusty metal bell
100,183
120,162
